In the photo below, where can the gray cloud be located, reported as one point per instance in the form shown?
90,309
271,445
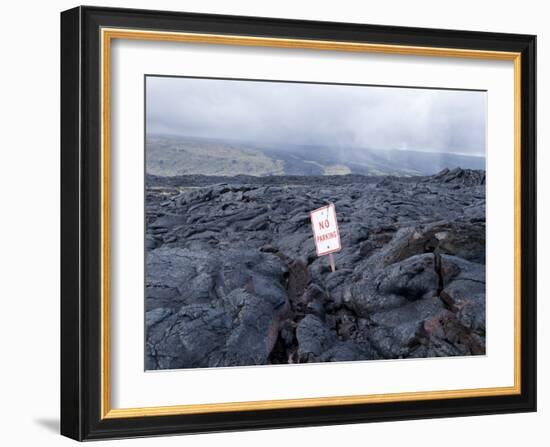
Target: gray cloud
271,113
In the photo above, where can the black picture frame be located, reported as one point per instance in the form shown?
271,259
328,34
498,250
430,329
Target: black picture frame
81,208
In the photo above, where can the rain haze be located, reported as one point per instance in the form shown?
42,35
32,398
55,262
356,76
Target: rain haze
281,113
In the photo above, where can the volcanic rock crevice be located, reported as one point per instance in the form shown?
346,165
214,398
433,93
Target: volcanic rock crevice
232,276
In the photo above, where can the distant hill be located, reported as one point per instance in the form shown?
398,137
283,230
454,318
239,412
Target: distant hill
169,156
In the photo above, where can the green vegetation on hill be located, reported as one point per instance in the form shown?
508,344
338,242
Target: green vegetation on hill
167,157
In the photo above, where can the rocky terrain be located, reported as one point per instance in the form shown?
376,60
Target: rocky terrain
232,277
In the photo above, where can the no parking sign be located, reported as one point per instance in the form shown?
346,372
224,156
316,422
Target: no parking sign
325,232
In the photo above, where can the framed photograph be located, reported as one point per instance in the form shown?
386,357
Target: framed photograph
275,223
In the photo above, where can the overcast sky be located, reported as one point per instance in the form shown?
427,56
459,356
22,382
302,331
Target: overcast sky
272,113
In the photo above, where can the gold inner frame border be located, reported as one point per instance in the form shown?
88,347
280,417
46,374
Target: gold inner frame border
107,35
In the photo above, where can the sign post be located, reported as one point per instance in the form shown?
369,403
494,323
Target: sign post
325,232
